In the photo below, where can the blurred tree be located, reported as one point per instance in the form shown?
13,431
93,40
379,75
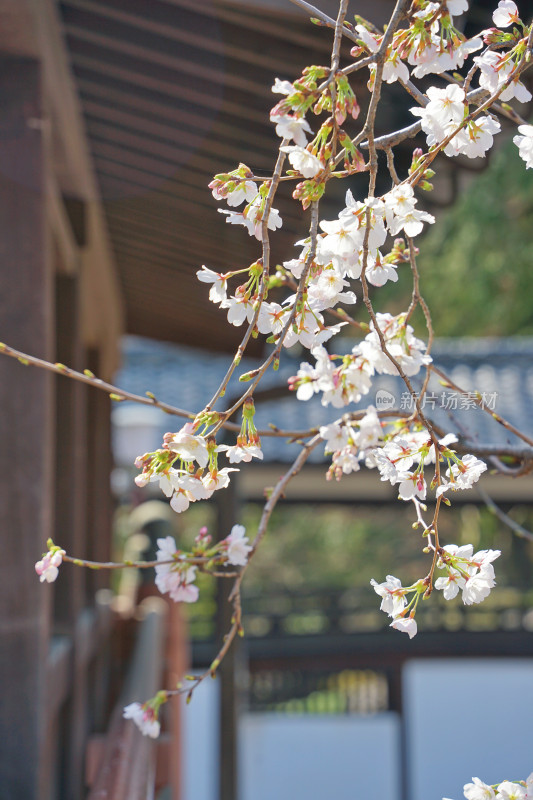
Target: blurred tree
486,292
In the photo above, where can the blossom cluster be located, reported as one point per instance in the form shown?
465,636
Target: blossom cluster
445,115
198,476
506,790
350,379
470,572
175,572
146,715
48,567
396,458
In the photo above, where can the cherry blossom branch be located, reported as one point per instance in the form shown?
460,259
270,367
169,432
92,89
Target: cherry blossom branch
335,56
87,377
369,129
197,561
523,64
117,394
210,672
273,430
235,595
274,355
417,299
328,21
276,494
410,131
278,169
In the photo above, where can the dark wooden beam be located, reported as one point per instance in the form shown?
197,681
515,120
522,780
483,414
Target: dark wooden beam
17,36
26,425
117,70
70,525
199,72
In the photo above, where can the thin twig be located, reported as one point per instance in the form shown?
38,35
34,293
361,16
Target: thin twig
278,169
479,402
118,394
505,518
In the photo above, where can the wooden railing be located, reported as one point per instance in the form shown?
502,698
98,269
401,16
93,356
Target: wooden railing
121,765
283,615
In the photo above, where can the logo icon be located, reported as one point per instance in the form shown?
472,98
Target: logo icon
384,400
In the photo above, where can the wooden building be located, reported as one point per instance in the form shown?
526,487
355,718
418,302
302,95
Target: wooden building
114,116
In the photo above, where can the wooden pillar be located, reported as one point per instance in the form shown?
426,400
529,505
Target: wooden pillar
70,531
100,463
26,433
98,509
69,456
227,511
178,657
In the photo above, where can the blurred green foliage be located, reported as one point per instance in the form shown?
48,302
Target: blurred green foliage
316,547
476,263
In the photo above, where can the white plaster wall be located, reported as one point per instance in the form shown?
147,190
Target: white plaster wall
467,718
319,757
200,743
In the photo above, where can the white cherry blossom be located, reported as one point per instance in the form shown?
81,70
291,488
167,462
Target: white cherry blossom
450,585
464,475
217,292
48,567
525,144
238,548
494,71
457,7
251,218
282,87
508,790
379,273
176,578
478,790
474,140
335,436
445,106
291,127
181,500
244,191
392,595
144,717
187,445
346,460
394,69
240,309
370,41
242,451
303,161
217,480
411,485
506,14
406,625
478,586
435,58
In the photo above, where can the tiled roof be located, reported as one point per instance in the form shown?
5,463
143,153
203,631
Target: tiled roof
502,369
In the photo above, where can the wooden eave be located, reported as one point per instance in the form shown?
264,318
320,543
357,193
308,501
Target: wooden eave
148,100
173,92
